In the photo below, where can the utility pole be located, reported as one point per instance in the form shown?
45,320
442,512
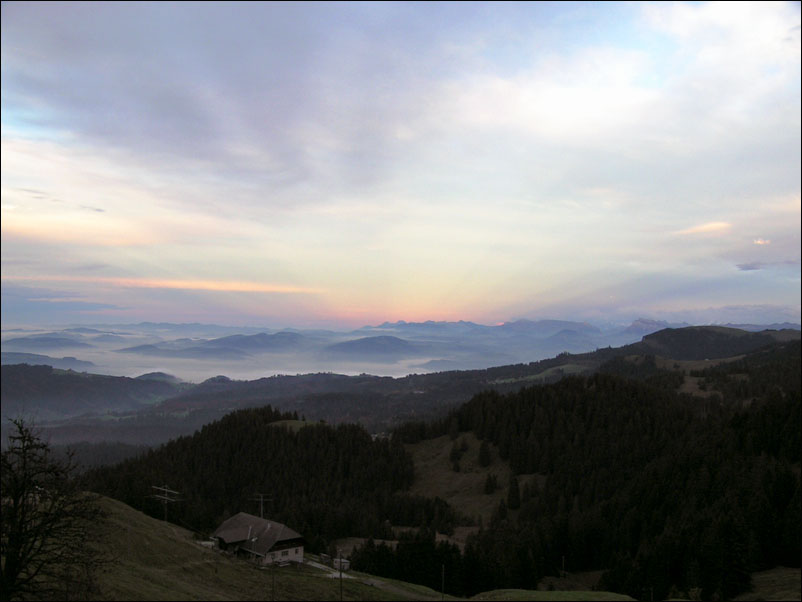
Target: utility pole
262,497
166,495
442,581
340,554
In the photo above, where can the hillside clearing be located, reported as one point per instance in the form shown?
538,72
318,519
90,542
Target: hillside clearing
779,583
463,490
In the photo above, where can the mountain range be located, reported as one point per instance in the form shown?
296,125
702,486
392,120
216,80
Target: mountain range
192,351
157,406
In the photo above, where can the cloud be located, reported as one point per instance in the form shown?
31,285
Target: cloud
277,95
27,292
734,41
22,304
197,285
760,265
711,228
399,156
61,228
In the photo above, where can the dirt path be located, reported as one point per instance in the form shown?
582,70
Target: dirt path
331,571
372,581
398,591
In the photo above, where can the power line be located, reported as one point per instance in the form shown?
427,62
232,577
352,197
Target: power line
166,496
262,497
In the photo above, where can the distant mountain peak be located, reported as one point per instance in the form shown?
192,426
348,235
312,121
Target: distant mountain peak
382,345
159,376
650,321
546,328
217,379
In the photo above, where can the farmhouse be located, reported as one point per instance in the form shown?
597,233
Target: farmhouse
262,539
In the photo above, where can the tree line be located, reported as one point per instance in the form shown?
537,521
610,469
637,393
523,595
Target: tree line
323,481
669,494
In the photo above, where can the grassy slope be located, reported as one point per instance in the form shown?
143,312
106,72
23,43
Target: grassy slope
157,561
293,425
776,584
152,560
561,370
464,490
523,594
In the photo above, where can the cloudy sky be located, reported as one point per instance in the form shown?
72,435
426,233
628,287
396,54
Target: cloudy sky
344,164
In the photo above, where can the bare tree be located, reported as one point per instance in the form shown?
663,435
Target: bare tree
47,523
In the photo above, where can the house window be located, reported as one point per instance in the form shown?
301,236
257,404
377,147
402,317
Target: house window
297,550
285,553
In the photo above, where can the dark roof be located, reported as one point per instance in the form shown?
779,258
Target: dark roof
254,534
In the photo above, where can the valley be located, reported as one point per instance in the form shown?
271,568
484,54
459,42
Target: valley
515,480
155,407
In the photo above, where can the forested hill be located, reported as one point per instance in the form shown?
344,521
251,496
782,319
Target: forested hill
325,482
45,392
701,342
668,493
385,397
378,403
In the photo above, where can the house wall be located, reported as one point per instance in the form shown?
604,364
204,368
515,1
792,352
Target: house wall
292,554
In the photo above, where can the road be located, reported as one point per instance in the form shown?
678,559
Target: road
372,581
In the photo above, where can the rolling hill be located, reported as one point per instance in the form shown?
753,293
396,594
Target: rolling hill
378,403
603,464
35,359
193,352
44,343
596,459
610,472
154,560
378,347
258,343
708,342
48,393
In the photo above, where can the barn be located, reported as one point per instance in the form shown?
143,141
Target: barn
265,540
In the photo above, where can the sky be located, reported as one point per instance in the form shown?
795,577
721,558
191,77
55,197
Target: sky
323,164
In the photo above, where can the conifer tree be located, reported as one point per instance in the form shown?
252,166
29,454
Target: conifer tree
514,495
484,454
